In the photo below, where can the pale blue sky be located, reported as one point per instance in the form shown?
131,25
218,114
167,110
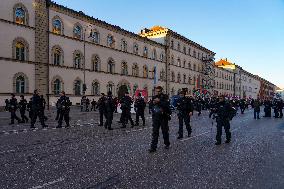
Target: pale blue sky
247,32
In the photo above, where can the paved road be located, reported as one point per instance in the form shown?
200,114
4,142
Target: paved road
87,156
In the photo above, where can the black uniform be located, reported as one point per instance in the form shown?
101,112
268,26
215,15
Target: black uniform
109,108
160,116
29,109
43,107
37,110
23,106
242,106
267,108
13,106
126,103
223,113
140,108
101,107
94,104
64,109
6,105
184,107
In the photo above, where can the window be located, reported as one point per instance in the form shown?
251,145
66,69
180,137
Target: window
162,75
110,41
20,84
20,51
198,56
57,56
178,47
77,60
123,45
173,77
172,44
96,63
189,51
178,78
135,70
172,60
194,67
145,71
110,87
77,87
111,66
178,62
184,50
57,87
189,65
20,14
124,68
96,88
57,26
95,36
189,80
184,63
154,54
135,48
184,78
77,31
145,52
194,54
162,57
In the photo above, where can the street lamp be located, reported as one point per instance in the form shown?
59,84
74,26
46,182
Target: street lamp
84,65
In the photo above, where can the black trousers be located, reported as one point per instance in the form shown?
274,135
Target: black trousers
64,115
14,116
125,116
280,113
226,124
39,114
184,118
101,117
23,116
158,123
140,113
109,118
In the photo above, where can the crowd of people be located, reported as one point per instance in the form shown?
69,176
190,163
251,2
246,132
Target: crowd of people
221,109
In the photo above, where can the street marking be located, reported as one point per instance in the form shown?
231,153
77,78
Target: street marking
48,183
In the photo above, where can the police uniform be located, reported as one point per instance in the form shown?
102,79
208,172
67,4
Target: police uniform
38,110
223,116
160,116
101,107
126,103
13,106
64,109
23,106
184,107
140,108
108,111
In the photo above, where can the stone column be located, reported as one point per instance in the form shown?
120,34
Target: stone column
41,47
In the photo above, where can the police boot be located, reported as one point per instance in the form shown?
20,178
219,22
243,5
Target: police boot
218,143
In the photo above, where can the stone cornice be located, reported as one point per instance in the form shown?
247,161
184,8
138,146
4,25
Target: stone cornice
81,16
16,24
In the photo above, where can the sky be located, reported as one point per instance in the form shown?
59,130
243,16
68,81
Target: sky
250,33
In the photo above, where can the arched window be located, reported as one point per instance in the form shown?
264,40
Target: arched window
95,88
124,68
173,77
184,78
77,31
111,66
145,52
145,71
135,70
189,80
189,51
178,78
110,41
123,45
110,87
189,65
57,26
96,63
135,48
56,87
20,14
194,54
77,60
20,84
154,54
183,65
184,50
57,56
20,51
77,87
178,47
95,36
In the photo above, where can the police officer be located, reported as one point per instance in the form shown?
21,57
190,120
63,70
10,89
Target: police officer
43,102
185,111
140,108
126,103
94,104
160,116
13,106
281,106
23,106
64,109
256,106
223,114
267,108
37,109
109,108
101,107
242,106
6,105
